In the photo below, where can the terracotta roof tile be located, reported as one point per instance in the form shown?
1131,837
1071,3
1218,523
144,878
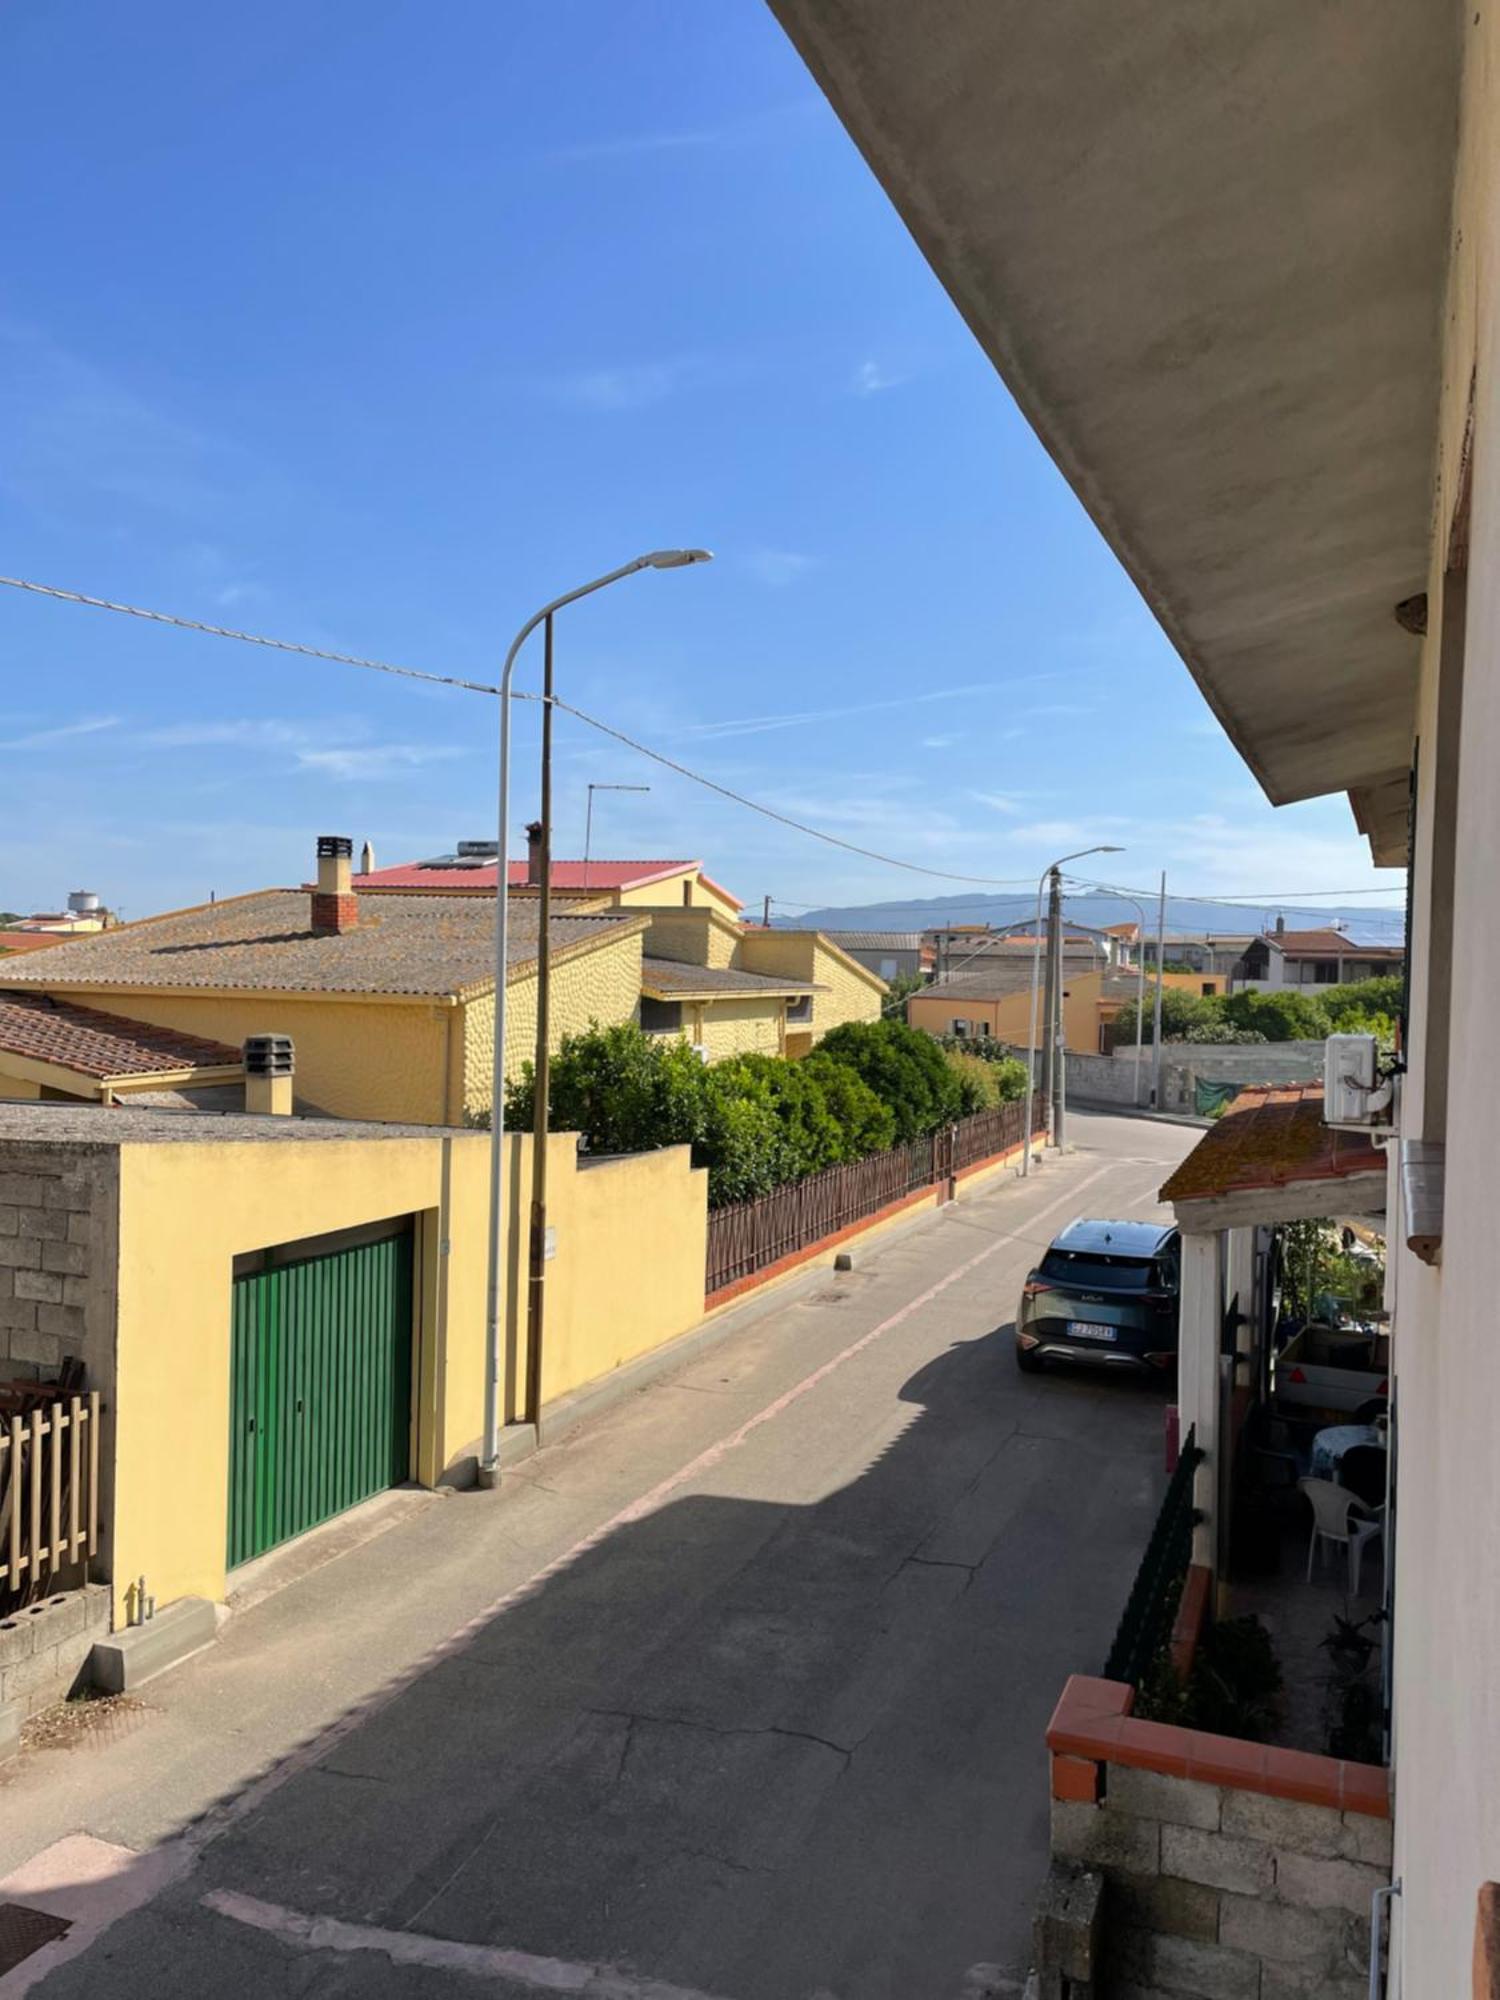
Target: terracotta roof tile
96,1044
1270,1136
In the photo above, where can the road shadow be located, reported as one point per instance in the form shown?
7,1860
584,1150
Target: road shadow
745,1748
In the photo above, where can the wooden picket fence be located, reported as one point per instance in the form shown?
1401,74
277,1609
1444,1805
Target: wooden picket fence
748,1236
49,1493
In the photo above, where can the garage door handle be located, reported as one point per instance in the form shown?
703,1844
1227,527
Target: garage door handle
299,1406
249,1424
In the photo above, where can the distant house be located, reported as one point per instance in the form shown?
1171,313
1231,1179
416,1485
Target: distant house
1325,957
1200,951
471,868
888,954
994,1000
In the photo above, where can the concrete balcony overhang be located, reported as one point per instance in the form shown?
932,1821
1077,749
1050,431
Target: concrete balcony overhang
1207,249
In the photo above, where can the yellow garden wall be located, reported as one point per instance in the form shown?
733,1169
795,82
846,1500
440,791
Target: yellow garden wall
170,1426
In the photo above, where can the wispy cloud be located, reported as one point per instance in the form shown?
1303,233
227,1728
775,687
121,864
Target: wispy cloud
38,739
999,802
755,725
778,567
871,377
246,732
750,130
629,385
940,742
376,760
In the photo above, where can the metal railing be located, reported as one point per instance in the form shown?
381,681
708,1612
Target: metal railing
49,1493
1146,1620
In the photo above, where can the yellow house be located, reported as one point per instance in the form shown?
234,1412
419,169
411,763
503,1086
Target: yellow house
996,1001
471,869
389,999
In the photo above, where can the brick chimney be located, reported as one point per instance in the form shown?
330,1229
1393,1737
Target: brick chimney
335,907
534,855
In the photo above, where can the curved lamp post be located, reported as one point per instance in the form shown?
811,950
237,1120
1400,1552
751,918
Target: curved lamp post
495,1299
1036,967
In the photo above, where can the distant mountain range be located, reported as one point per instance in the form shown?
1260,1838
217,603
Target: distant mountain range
1184,913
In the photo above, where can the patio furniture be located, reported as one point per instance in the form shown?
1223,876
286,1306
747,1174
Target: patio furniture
1330,1444
1363,1470
1342,1518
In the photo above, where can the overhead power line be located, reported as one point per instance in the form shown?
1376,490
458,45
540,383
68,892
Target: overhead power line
607,729
245,638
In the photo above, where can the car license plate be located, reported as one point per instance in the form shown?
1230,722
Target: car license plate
1091,1329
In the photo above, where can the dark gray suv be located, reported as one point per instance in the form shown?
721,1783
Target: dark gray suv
1105,1292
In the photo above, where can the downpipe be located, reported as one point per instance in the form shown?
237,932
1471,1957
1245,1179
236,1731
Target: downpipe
1380,1932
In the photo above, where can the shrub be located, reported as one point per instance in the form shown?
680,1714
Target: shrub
1281,1014
866,1124
1350,1008
905,1069
978,1089
1180,1012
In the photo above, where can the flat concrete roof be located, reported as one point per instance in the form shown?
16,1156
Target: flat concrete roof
1206,248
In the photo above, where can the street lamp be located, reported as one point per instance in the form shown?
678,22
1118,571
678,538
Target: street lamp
588,823
489,1451
1036,966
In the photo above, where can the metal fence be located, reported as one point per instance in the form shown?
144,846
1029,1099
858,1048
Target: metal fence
49,1493
1149,1610
747,1236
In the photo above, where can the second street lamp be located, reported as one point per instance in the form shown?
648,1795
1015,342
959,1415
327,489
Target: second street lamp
489,1450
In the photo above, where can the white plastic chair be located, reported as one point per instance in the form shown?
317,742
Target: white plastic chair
1341,1517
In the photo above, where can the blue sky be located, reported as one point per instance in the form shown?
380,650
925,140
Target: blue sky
374,327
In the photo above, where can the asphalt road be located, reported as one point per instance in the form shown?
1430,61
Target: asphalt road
737,1693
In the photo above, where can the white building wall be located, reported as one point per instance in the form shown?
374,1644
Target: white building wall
1447,1352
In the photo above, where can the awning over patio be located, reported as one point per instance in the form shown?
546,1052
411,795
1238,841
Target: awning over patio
1271,1158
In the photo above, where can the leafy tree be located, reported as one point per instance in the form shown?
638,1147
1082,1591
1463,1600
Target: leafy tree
1180,1012
624,1090
902,988
1280,1014
903,1067
1362,1000
1221,1033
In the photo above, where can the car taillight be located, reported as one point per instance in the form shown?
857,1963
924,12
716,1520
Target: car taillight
1033,1288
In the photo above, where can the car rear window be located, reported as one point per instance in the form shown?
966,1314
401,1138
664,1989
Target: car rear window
1080,1267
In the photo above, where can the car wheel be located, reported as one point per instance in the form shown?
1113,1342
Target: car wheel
1027,1360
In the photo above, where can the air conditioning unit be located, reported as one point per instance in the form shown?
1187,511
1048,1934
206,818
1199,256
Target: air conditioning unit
1356,1098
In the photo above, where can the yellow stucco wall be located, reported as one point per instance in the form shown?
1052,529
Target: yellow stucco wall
355,1058
853,993
602,985
171,1424
692,937
741,1026
18,1086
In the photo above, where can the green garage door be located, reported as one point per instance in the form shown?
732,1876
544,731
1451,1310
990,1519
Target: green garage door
320,1389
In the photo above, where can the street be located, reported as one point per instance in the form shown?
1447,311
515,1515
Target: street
735,1693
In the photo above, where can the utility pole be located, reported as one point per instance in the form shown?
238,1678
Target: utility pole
1052,960
536,1290
1161,953
765,917
1055,1003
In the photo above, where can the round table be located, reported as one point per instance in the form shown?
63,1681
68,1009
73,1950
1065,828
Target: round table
1329,1446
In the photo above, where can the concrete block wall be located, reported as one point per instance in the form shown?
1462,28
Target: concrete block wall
1111,1079
57,1214
45,1647
1213,1893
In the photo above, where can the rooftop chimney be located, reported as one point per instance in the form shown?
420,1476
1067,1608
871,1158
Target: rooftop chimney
335,908
268,1074
534,854
1280,926
367,859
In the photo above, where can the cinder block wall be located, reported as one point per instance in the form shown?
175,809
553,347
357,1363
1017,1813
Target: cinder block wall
1216,1892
